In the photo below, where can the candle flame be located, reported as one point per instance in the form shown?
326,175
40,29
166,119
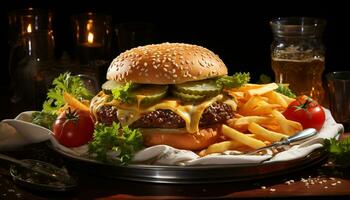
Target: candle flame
90,38
89,25
29,28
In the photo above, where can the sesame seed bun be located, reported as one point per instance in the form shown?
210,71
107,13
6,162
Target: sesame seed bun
166,63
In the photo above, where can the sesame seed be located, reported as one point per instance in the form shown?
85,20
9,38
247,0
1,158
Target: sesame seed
145,64
325,187
263,187
272,190
339,182
334,184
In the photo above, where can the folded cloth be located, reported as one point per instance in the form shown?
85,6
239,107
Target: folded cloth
19,131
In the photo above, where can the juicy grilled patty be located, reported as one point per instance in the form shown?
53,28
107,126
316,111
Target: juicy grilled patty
216,113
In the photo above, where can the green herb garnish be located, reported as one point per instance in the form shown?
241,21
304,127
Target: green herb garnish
284,89
115,144
44,119
339,151
236,80
64,83
264,79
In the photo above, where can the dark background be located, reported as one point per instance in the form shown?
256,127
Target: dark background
238,32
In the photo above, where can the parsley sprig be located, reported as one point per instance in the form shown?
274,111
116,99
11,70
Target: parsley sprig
64,83
339,151
115,144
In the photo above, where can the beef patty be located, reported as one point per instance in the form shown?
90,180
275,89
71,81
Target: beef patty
216,113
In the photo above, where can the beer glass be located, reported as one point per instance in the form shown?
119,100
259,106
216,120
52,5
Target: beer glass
297,54
339,100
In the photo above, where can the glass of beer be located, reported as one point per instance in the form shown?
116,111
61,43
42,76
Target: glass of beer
297,54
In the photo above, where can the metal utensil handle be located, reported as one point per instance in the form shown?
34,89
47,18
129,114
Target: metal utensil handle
28,166
306,133
14,160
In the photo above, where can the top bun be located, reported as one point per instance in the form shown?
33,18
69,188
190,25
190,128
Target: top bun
166,63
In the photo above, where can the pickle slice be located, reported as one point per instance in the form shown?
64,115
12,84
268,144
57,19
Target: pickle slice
188,97
148,94
204,87
108,86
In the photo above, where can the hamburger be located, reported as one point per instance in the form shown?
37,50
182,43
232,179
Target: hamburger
172,92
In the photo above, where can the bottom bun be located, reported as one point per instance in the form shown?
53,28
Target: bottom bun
180,139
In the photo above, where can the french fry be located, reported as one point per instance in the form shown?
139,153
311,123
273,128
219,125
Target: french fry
252,103
246,87
287,126
256,105
276,98
264,109
287,99
74,103
222,146
263,89
242,123
264,133
242,138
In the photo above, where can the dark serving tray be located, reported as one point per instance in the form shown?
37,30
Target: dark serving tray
194,174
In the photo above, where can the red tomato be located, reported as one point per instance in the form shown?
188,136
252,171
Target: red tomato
307,112
73,128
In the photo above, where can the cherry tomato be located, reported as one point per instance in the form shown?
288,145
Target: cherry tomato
307,112
73,128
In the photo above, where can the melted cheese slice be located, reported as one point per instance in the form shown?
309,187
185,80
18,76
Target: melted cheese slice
191,114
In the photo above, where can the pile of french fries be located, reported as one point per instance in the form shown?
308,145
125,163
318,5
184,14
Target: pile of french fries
258,122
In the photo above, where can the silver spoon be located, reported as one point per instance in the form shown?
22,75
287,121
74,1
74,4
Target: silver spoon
39,175
301,135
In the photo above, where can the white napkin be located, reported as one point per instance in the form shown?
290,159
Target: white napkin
19,131
169,155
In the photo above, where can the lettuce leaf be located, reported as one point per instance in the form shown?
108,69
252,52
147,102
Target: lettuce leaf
236,80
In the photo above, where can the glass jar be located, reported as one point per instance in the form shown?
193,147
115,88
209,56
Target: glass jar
31,56
93,37
298,55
